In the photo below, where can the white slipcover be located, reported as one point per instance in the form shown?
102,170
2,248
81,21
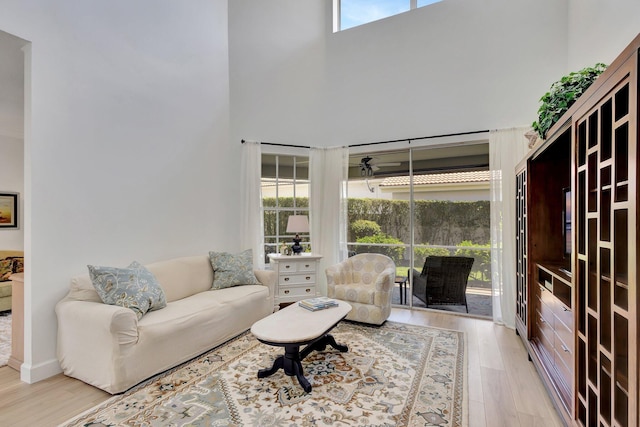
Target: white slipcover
108,347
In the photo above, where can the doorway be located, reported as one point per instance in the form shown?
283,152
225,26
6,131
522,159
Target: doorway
12,157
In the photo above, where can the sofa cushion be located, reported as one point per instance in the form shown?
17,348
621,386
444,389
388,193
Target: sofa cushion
5,290
17,264
183,277
6,269
133,287
9,266
82,289
364,294
232,269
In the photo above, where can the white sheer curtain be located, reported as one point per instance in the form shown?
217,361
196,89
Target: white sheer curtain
506,148
328,173
251,222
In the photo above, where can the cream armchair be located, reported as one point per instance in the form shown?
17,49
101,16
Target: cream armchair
365,281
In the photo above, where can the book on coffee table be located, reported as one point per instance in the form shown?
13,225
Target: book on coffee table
318,303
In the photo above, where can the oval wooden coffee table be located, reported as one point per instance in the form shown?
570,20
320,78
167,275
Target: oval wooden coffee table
293,327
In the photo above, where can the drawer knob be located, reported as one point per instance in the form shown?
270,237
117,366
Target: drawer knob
287,266
286,291
308,278
306,265
286,279
308,290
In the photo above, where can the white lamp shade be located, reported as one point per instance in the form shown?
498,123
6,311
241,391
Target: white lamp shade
298,224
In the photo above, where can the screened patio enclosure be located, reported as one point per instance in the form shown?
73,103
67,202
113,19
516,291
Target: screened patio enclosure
423,202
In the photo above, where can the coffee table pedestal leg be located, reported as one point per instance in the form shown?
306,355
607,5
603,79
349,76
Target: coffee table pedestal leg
321,343
291,361
291,364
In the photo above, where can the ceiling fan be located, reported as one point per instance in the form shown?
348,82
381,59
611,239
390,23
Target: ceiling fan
367,167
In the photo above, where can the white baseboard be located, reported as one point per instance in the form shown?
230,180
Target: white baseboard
33,374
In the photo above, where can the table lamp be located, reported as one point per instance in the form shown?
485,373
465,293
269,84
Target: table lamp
297,224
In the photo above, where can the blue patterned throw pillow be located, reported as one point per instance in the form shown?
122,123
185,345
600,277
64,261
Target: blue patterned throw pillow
232,269
133,287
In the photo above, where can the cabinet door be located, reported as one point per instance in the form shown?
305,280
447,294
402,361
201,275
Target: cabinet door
606,313
521,252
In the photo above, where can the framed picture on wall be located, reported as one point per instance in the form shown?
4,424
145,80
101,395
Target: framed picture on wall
8,210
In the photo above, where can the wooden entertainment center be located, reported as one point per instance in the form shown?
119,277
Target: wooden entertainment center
576,245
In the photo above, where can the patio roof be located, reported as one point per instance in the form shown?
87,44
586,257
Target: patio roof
438,178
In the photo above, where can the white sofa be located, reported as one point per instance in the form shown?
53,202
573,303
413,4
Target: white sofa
108,347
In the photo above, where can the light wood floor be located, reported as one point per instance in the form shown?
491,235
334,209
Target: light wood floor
504,387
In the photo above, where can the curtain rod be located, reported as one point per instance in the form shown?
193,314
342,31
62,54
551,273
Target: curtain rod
420,137
279,145
384,142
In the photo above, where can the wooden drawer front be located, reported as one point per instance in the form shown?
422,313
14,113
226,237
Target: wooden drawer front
547,298
563,370
564,336
297,279
547,314
547,344
564,314
297,292
564,355
545,329
537,290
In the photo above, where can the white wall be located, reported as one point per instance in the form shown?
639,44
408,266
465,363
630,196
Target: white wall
128,154
12,180
600,30
455,66
277,68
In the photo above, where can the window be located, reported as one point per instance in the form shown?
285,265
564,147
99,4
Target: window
285,192
352,13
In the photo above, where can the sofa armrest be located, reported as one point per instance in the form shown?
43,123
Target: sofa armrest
91,335
267,278
384,286
385,280
388,276
334,277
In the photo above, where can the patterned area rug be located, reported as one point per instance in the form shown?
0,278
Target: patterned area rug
5,337
394,375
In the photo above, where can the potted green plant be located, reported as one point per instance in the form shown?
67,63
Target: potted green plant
562,95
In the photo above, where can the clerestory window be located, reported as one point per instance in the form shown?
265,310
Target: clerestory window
351,13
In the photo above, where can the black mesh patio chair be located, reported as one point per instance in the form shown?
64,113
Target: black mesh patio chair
443,280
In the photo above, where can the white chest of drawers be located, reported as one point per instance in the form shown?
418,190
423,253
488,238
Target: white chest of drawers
297,276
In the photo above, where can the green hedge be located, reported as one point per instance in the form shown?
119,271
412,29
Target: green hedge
444,223
396,253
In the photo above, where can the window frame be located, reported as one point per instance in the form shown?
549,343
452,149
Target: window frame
337,14
281,236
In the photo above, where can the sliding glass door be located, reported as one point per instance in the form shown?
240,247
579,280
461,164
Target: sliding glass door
419,202
379,211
